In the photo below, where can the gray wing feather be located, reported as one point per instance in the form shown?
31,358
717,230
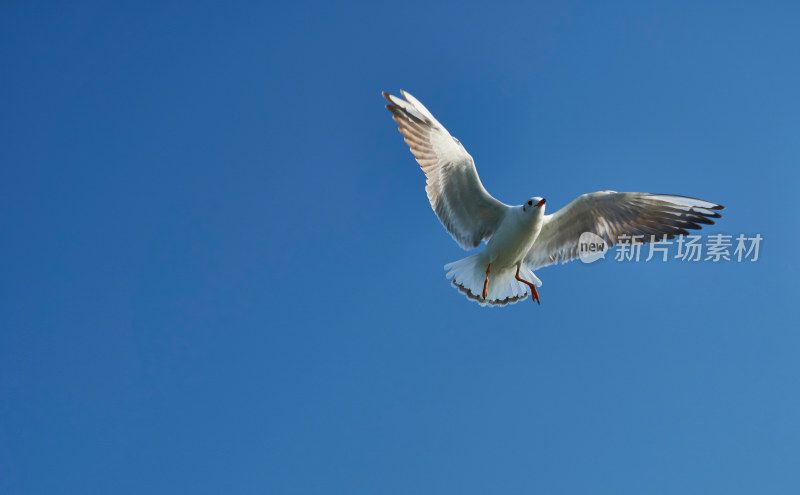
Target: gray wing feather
610,214
468,212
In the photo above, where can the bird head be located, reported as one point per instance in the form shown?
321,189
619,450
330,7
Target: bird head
534,205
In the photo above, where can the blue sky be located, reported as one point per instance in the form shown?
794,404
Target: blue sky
220,272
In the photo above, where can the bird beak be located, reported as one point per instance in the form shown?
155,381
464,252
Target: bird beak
540,203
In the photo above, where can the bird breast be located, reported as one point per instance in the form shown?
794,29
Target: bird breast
514,238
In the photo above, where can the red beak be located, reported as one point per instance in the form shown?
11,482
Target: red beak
540,203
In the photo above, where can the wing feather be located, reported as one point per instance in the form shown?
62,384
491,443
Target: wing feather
610,214
468,212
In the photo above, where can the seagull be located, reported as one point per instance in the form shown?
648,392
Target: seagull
520,239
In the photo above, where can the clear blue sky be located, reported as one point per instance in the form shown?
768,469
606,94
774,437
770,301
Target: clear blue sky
220,272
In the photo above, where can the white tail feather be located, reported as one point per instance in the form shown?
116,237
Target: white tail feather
469,274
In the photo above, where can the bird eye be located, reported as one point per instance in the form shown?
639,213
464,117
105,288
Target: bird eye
530,202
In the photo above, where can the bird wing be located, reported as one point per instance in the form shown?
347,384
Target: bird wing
456,194
610,214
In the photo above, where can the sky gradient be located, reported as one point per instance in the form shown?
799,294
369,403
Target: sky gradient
220,272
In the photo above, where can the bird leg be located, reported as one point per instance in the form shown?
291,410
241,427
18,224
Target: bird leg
486,283
534,292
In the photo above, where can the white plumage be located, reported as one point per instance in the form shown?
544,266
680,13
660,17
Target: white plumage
520,239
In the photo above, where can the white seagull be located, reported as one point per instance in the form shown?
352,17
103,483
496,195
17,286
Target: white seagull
520,239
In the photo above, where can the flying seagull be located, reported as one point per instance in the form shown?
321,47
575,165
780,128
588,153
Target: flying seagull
520,239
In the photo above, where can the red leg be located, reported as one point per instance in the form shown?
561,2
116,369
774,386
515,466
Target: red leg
486,283
534,292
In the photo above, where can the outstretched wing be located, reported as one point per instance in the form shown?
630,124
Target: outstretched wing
611,214
456,194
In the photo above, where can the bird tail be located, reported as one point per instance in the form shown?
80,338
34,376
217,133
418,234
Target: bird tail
469,274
